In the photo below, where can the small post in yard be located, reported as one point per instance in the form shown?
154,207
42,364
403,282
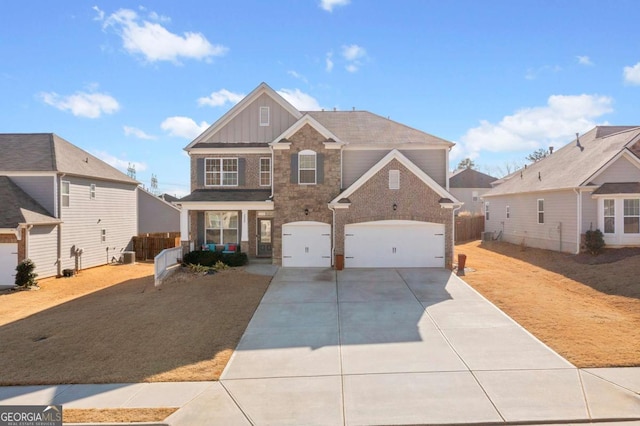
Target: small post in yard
462,259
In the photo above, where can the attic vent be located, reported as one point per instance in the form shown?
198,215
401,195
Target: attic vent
394,179
264,116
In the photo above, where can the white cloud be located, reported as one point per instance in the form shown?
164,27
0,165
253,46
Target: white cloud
530,128
100,13
154,42
584,60
183,127
134,131
302,101
632,74
329,62
533,73
119,163
220,98
353,54
328,5
82,104
297,75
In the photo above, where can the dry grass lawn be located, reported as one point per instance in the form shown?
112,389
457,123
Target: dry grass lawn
111,325
116,415
588,313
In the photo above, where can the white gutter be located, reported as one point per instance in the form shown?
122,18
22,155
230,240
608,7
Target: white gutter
59,201
333,234
579,219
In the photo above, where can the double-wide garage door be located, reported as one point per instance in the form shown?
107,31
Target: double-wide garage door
306,244
394,243
8,262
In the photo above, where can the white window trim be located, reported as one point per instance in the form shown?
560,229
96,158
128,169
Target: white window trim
508,212
220,230
308,152
474,196
262,172
221,172
67,194
394,179
539,211
625,215
604,216
486,211
268,113
92,191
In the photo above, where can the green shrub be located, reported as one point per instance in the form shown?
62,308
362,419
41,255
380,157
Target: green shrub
25,277
594,240
210,258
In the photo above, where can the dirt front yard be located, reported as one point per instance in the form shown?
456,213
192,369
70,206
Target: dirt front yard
111,325
585,308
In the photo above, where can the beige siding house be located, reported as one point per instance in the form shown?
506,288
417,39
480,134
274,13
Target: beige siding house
316,188
66,209
591,183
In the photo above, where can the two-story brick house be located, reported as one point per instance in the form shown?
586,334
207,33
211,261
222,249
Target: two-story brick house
61,207
306,188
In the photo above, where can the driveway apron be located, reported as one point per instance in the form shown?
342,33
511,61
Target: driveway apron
402,346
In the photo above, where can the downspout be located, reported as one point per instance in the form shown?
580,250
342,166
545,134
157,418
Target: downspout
59,205
333,234
272,169
27,229
453,229
579,219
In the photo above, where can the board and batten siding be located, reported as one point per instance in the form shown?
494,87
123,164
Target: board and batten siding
355,163
558,232
114,209
43,249
40,188
245,127
622,170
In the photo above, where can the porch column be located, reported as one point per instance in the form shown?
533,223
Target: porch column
184,224
244,239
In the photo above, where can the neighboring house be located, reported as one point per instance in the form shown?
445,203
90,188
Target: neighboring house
305,188
468,186
62,207
591,183
168,198
155,215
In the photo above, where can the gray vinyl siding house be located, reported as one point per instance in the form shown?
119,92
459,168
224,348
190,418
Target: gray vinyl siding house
591,183
468,186
156,215
68,209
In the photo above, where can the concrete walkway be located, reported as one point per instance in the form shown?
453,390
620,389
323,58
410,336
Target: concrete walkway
385,346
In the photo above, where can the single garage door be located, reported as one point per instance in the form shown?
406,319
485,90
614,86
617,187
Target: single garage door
306,244
394,243
8,263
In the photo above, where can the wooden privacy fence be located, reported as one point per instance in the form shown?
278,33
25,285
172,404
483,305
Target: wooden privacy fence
148,246
469,228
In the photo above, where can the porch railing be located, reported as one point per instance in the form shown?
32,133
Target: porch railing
164,261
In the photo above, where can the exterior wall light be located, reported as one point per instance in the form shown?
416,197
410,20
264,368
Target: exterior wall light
306,212
395,207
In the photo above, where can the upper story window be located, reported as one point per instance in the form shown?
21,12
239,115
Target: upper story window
307,167
64,191
474,196
631,208
265,171
264,116
394,179
92,191
541,211
221,172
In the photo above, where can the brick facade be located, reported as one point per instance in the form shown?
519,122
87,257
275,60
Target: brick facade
291,199
414,200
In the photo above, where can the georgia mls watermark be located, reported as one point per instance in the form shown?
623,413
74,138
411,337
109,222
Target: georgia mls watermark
30,415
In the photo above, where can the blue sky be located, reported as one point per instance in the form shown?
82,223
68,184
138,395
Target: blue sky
134,82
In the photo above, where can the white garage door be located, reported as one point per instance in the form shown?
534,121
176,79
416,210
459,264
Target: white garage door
394,243
306,244
8,263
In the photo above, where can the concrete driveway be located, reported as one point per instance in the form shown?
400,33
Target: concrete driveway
396,346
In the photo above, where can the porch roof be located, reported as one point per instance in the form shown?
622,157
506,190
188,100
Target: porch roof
618,188
227,195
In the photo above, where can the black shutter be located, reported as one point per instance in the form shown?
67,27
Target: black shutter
199,230
199,171
319,168
294,168
242,167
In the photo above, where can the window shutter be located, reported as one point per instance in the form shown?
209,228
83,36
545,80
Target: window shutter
294,168
200,171
319,168
200,228
242,167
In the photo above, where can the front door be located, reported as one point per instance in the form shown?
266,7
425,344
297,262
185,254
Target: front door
264,237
